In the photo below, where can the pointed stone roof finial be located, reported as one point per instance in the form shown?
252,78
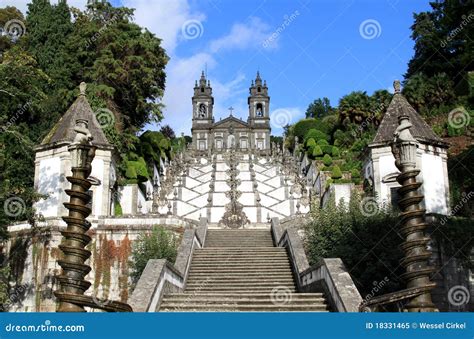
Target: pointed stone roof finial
203,76
82,88
258,75
396,86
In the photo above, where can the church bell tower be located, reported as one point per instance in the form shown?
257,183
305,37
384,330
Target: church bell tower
259,113
203,118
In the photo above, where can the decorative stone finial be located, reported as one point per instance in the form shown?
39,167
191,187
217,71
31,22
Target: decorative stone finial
82,88
396,86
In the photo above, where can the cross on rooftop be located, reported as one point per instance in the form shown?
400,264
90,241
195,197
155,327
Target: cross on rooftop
231,109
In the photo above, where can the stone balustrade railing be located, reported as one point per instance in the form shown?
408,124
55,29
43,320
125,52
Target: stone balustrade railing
329,275
160,276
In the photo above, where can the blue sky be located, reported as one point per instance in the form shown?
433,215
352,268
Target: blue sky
304,49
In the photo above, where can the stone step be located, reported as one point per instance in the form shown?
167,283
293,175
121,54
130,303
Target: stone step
239,257
240,231
286,287
238,275
239,271
241,289
242,245
238,242
269,264
240,281
242,308
239,261
254,296
242,269
198,299
239,249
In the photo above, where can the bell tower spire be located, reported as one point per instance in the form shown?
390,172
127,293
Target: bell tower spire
203,116
259,101
259,112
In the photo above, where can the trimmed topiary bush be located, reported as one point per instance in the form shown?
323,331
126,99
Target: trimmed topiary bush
136,171
310,143
327,149
316,135
336,173
317,152
327,160
355,173
322,142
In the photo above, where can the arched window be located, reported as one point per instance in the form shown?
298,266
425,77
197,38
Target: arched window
259,89
259,110
202,111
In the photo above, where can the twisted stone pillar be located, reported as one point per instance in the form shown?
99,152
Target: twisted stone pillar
75,238
413,222
72,283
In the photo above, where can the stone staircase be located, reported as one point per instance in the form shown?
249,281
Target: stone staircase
241,270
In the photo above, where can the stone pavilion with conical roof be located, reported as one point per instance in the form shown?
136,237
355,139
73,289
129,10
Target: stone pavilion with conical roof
53,162
379,168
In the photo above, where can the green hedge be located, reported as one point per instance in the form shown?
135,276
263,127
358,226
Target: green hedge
316,135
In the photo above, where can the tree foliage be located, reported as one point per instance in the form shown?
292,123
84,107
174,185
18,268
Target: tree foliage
160,243
319,108
368,245
168,132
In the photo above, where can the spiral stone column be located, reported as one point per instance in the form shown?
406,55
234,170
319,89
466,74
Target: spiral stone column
412,216
72,278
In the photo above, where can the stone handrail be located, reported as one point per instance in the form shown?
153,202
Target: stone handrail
329,275
160,276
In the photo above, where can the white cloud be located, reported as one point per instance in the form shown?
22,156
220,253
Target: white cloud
165,18
282,116
179,90
251,34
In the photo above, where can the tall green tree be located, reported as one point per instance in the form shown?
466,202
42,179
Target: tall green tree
319,108
355,107
443,40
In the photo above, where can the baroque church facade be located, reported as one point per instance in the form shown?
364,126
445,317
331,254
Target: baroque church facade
231,132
